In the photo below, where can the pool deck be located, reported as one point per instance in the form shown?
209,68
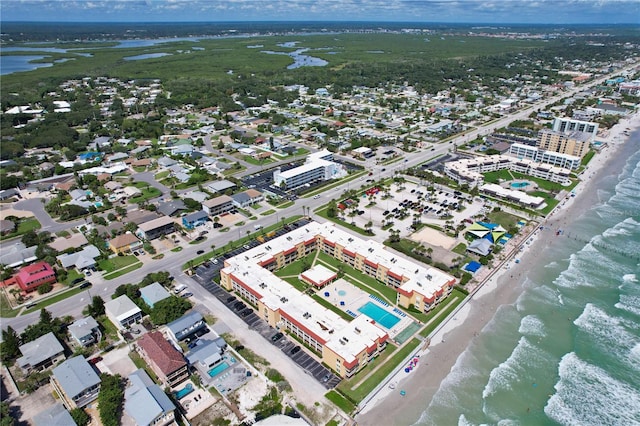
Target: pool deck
353,298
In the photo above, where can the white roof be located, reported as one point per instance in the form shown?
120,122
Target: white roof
121,308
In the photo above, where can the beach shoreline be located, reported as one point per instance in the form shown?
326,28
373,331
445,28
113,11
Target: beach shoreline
502,287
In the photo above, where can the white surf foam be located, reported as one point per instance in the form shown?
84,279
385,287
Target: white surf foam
531,325
610,333
524,358
629,303
630,278
587,395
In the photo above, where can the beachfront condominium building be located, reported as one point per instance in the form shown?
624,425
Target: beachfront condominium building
318,167
469,170
538,155
345,346
566,125
570,143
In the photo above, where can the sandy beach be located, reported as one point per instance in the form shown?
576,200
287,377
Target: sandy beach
502,287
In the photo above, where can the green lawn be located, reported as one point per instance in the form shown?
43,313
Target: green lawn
147,193
442,311
358,393
587,158
55,299
6,311
505,219
116,262
494,177
340,401
161,175
123,271
72,275
24,226
460,249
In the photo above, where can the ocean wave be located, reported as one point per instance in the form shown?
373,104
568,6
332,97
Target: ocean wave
525,358
629,303
608,332
531,325
630,278
551,264
587,395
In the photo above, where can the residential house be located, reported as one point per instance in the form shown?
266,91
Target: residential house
7,227
247,198
83,259
85,331
153,293
171,208
55,415
124,243
17,254
166,162
206,354
131,191
146,403
163,358
193,220
218,205
155,228
9,193
79,194
40,354
122,312
30,277
76,382
220,186
187,325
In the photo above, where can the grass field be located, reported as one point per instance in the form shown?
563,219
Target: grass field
25,225
116,262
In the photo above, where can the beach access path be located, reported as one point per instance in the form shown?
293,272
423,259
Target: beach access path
502,287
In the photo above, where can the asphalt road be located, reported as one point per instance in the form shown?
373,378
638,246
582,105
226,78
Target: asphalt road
173,261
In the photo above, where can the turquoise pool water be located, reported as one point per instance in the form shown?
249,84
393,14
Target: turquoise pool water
379,315
218,369
519,184
184,391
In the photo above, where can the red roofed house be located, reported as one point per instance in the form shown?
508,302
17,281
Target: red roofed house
33,276
164,359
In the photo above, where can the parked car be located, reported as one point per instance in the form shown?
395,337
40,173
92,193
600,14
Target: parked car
85,284
94,361
295,350
277,337
200,252
185,295
231,299
326,378
77,281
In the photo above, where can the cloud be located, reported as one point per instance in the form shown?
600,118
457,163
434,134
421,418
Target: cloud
499,11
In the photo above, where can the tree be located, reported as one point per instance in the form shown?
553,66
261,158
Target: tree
80,416
110,399
45,288
96,308
10,346
5,415
169,309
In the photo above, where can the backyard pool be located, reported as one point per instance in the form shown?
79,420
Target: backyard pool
184,391
379,315
218,369
519,184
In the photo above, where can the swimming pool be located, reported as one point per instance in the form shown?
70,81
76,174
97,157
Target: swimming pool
218,369
184,391
519,184
379,315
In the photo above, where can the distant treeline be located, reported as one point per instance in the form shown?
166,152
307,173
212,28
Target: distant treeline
18,32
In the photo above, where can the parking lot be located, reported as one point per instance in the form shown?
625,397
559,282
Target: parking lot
204,275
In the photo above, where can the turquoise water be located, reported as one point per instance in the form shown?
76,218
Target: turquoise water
379,315
184,391
218,369
519,184
568,351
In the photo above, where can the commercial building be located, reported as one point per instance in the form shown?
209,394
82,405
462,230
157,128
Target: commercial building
566,125
345,346
469,170
76,382
515,196
573,143
535,154
318,167
247,198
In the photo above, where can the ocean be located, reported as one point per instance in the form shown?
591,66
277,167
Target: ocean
568,351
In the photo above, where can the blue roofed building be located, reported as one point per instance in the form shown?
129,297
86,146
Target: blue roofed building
55,415
206,354
194,220
153,293
146,403
76,383
85,331
187,326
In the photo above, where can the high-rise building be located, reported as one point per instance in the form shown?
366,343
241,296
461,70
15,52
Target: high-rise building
566,125
572,143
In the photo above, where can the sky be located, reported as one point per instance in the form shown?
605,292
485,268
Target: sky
450,11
